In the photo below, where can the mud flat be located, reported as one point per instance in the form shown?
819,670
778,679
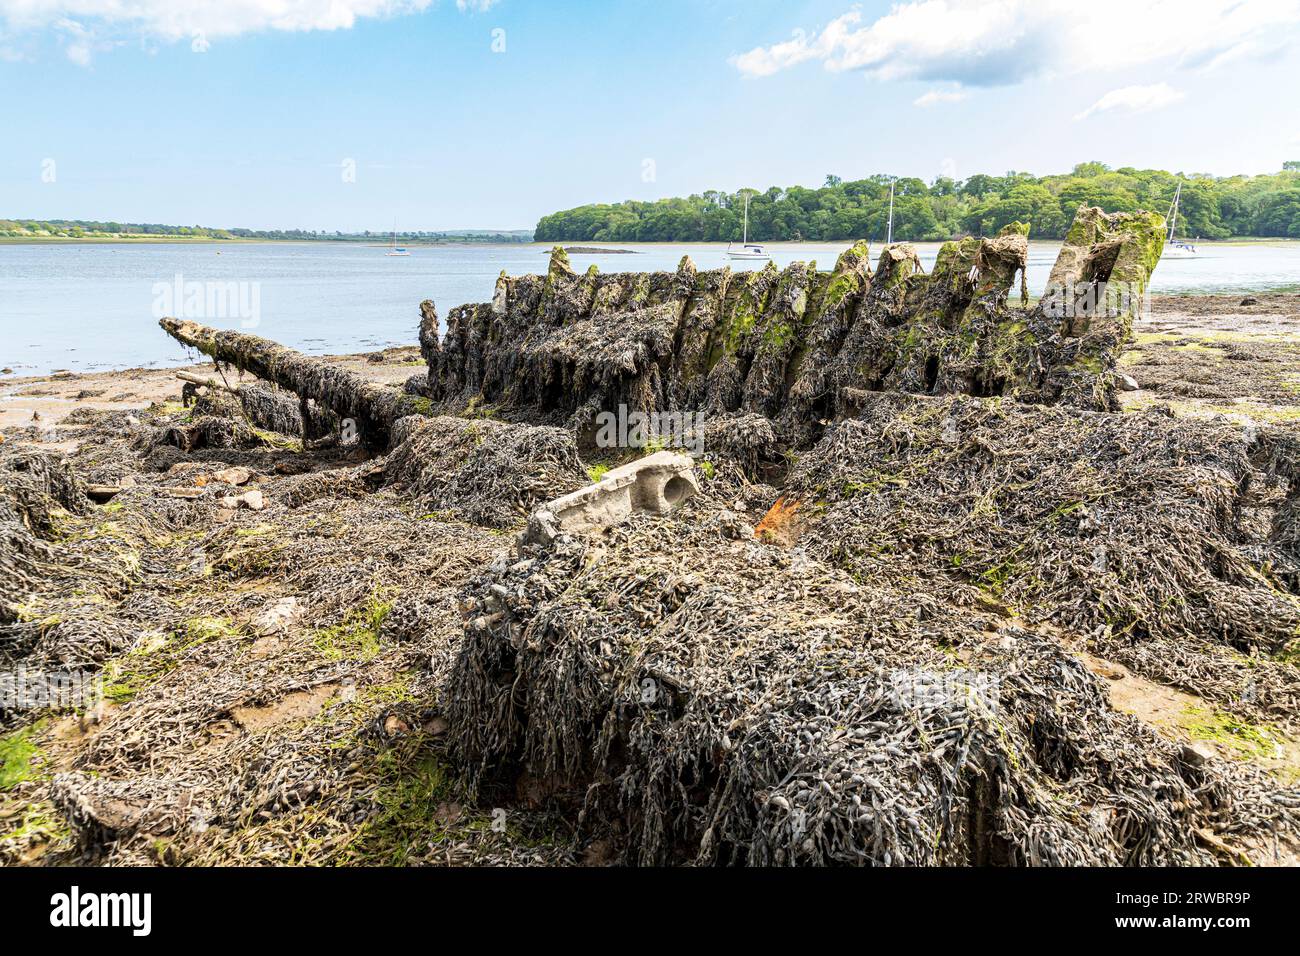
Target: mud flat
1237,356
936,601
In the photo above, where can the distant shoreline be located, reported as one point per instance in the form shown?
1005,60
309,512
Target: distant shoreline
380,242
376,241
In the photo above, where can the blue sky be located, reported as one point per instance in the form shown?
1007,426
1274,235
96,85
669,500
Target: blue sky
606,101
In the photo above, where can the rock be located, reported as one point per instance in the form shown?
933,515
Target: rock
276,617
252,500
235,475
1196,754
394,726
1250,300
542,528
1127,382
184,492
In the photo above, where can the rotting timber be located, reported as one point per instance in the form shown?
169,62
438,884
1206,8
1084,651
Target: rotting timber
925,663
799,346
795,346
373,408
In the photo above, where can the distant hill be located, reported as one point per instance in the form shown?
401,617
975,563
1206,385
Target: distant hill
89,229
1211,208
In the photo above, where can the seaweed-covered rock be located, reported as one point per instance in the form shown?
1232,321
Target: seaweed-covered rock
34,486
1165,538
483,471
697,699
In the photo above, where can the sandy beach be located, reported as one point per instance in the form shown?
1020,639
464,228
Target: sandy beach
1176,350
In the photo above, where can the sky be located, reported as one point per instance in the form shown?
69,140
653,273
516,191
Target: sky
447,114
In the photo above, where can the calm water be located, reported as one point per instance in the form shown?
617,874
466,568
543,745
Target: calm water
91,307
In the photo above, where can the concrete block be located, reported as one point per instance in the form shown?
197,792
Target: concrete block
657,484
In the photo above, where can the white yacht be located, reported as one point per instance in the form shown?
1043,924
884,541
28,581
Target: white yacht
394,249
1175,248
747,250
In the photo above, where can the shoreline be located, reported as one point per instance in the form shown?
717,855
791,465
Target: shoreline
238,241
1191,323
55,395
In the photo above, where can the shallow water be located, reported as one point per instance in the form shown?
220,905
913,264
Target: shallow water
88,307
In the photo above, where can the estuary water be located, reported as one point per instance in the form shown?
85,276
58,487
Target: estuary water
92,307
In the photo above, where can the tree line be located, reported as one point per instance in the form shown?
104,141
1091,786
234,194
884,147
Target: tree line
1210,208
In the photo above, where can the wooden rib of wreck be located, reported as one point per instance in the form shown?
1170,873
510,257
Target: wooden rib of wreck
798,345
371,406
795,346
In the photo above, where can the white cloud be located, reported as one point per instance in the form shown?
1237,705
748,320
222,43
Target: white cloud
86,26
1134,99
478,6
176,19
934,97
992,42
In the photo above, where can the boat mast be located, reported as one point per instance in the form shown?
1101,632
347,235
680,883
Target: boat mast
1173,218
744,236
890,238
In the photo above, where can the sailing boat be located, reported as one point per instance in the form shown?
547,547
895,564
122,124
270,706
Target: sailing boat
747,250
889,238
1174,249
395,249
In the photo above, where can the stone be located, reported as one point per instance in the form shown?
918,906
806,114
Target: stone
276,617
252,500
1127,383
1196,753
183,492
657,484
235,475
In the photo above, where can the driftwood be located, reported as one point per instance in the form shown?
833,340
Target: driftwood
371,408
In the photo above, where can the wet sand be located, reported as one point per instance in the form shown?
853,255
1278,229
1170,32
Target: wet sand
51,397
